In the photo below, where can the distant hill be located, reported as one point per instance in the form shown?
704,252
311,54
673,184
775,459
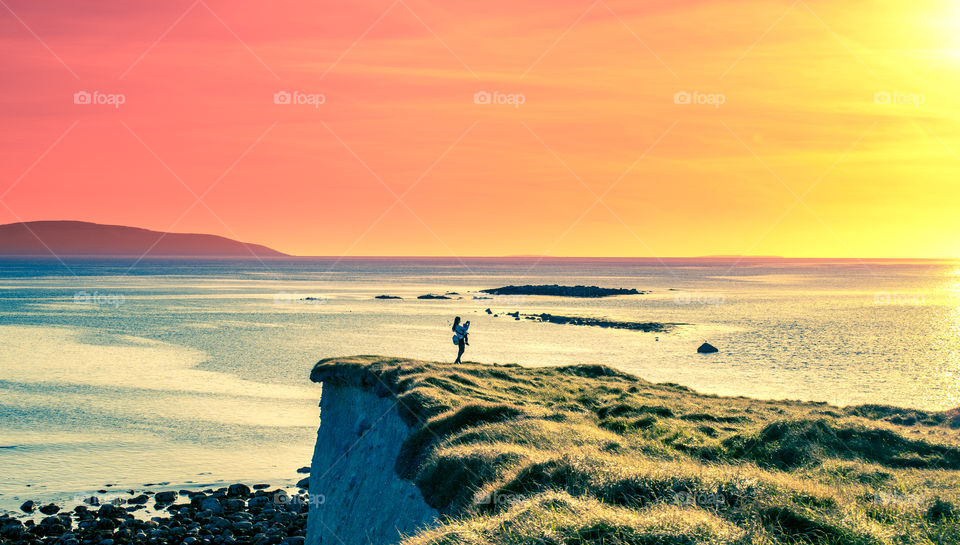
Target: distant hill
80,238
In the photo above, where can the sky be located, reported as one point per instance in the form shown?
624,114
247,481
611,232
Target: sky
802,128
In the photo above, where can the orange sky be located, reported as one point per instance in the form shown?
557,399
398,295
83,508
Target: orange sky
837,135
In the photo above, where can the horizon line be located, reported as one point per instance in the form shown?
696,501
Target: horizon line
477,257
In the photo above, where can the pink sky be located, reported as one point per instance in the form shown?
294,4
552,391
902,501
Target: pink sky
799,118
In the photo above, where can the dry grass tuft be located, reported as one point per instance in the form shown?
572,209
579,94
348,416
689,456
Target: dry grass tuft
587,454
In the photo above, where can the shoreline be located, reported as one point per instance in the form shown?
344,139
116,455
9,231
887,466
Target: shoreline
236,513
737,431
109,493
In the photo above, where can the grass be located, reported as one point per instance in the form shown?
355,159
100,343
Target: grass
589,455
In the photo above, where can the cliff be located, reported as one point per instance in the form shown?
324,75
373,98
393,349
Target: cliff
360,497
423,452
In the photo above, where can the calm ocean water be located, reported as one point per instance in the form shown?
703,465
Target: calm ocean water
196,372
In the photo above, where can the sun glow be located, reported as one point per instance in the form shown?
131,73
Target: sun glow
850,106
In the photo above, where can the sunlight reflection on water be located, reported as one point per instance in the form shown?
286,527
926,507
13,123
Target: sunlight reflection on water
200,372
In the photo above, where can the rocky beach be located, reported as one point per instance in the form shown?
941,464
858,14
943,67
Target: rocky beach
239,513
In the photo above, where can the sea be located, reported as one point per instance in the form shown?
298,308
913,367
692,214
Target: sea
123,374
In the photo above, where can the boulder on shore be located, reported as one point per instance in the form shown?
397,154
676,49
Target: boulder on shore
707,348
50,509
238,489
168,496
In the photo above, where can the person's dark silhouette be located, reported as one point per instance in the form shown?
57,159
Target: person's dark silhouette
460,336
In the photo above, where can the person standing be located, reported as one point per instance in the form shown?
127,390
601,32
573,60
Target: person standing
460,336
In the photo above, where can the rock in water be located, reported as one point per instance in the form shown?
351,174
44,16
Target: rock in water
109,510
27,506
50,509
165,497
139,500
707,348
304,483
304,469
238,489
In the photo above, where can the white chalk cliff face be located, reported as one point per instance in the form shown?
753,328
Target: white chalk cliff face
361,498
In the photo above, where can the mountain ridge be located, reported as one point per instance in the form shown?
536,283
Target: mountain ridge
80,238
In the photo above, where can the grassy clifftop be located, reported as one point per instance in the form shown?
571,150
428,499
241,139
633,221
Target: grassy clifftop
589,455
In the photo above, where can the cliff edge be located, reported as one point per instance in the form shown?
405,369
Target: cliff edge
433,453
358,497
